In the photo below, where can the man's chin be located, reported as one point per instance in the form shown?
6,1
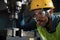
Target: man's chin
42,24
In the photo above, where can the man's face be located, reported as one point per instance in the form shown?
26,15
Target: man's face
40,17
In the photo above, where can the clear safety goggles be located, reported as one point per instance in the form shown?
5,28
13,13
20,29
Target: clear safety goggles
42,12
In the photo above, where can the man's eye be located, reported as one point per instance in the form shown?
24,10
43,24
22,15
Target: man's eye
33,14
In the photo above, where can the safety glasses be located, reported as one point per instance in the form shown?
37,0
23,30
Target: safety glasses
42,12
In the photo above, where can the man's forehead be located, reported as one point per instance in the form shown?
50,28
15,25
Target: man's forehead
37,10
41,9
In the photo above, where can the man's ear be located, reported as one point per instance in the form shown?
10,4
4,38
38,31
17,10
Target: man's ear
51,11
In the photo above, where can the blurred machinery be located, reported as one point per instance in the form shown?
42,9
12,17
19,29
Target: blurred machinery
15,11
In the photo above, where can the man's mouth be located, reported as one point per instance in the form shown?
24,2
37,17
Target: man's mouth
40,22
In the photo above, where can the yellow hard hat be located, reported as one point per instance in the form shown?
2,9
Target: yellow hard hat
36,4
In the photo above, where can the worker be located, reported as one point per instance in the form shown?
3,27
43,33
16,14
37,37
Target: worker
48,25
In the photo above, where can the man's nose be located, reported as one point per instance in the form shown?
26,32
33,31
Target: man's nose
41,16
